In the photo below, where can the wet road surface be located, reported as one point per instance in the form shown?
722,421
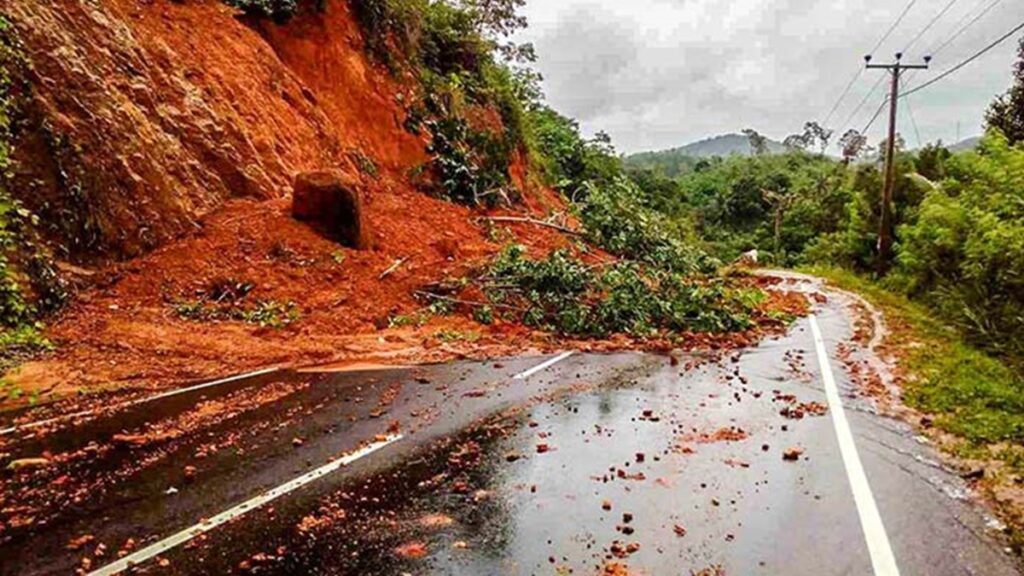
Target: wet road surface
570,464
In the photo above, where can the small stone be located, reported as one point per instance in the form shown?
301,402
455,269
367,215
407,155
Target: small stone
792,454
28,463
976,474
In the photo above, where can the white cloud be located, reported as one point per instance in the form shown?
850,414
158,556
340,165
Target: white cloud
661,73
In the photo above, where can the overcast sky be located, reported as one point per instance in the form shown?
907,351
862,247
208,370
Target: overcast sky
661,73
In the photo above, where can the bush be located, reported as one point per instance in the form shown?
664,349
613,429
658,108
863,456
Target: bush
616,220
25,265
279,10
388,23
964,252
563,294
470,166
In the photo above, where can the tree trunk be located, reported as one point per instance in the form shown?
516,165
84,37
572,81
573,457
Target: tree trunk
778,234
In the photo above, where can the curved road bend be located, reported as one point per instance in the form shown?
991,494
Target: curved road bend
568,464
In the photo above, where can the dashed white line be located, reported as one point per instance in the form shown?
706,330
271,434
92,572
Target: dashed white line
155,397
205,526
192,532
543,366
882,559
170,393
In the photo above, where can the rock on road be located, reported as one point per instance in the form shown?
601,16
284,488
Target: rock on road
730,463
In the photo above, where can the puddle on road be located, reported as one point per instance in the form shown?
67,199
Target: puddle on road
671,474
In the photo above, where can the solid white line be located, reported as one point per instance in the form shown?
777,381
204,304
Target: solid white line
543,366
882,559
130,403
205,526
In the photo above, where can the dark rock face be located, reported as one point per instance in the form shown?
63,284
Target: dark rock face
331,202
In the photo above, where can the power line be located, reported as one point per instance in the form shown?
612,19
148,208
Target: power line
843,96
893,27
977,55
864,100
941,13
955,28
860,70
930,24
913,122
877,114
963,29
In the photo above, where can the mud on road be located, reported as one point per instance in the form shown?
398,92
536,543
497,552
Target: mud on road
718,463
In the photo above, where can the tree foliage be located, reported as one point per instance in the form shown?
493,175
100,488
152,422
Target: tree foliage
777,204
459,52
563,294
278,10
853,145
964,251
758,142
1006,114
958,220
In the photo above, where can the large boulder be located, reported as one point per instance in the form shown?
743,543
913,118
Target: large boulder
331,202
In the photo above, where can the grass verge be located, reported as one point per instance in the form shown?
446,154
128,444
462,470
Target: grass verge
975,400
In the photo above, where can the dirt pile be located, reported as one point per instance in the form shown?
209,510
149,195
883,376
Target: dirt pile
171,132
147,116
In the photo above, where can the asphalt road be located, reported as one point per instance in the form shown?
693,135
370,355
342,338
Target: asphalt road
567,464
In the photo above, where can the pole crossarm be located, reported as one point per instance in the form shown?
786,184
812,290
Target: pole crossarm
897,65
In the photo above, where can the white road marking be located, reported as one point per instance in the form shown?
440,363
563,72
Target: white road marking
882,559
205,526
162,395
543,366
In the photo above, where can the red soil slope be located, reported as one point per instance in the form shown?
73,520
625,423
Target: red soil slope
170,132
148,115
185,127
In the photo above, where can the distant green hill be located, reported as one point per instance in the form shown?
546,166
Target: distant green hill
965,145
680,160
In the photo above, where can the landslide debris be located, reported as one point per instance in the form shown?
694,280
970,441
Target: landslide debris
183,129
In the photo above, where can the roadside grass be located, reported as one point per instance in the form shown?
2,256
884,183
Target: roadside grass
974,396
19,345
975,400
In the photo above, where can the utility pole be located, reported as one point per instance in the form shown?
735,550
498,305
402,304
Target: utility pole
885,226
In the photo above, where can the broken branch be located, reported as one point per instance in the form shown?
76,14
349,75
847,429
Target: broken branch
535,222
391,269
433,296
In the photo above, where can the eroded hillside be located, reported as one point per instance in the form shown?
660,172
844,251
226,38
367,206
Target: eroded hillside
155,145
149,115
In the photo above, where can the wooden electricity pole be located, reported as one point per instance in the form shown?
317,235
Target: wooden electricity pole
885,226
